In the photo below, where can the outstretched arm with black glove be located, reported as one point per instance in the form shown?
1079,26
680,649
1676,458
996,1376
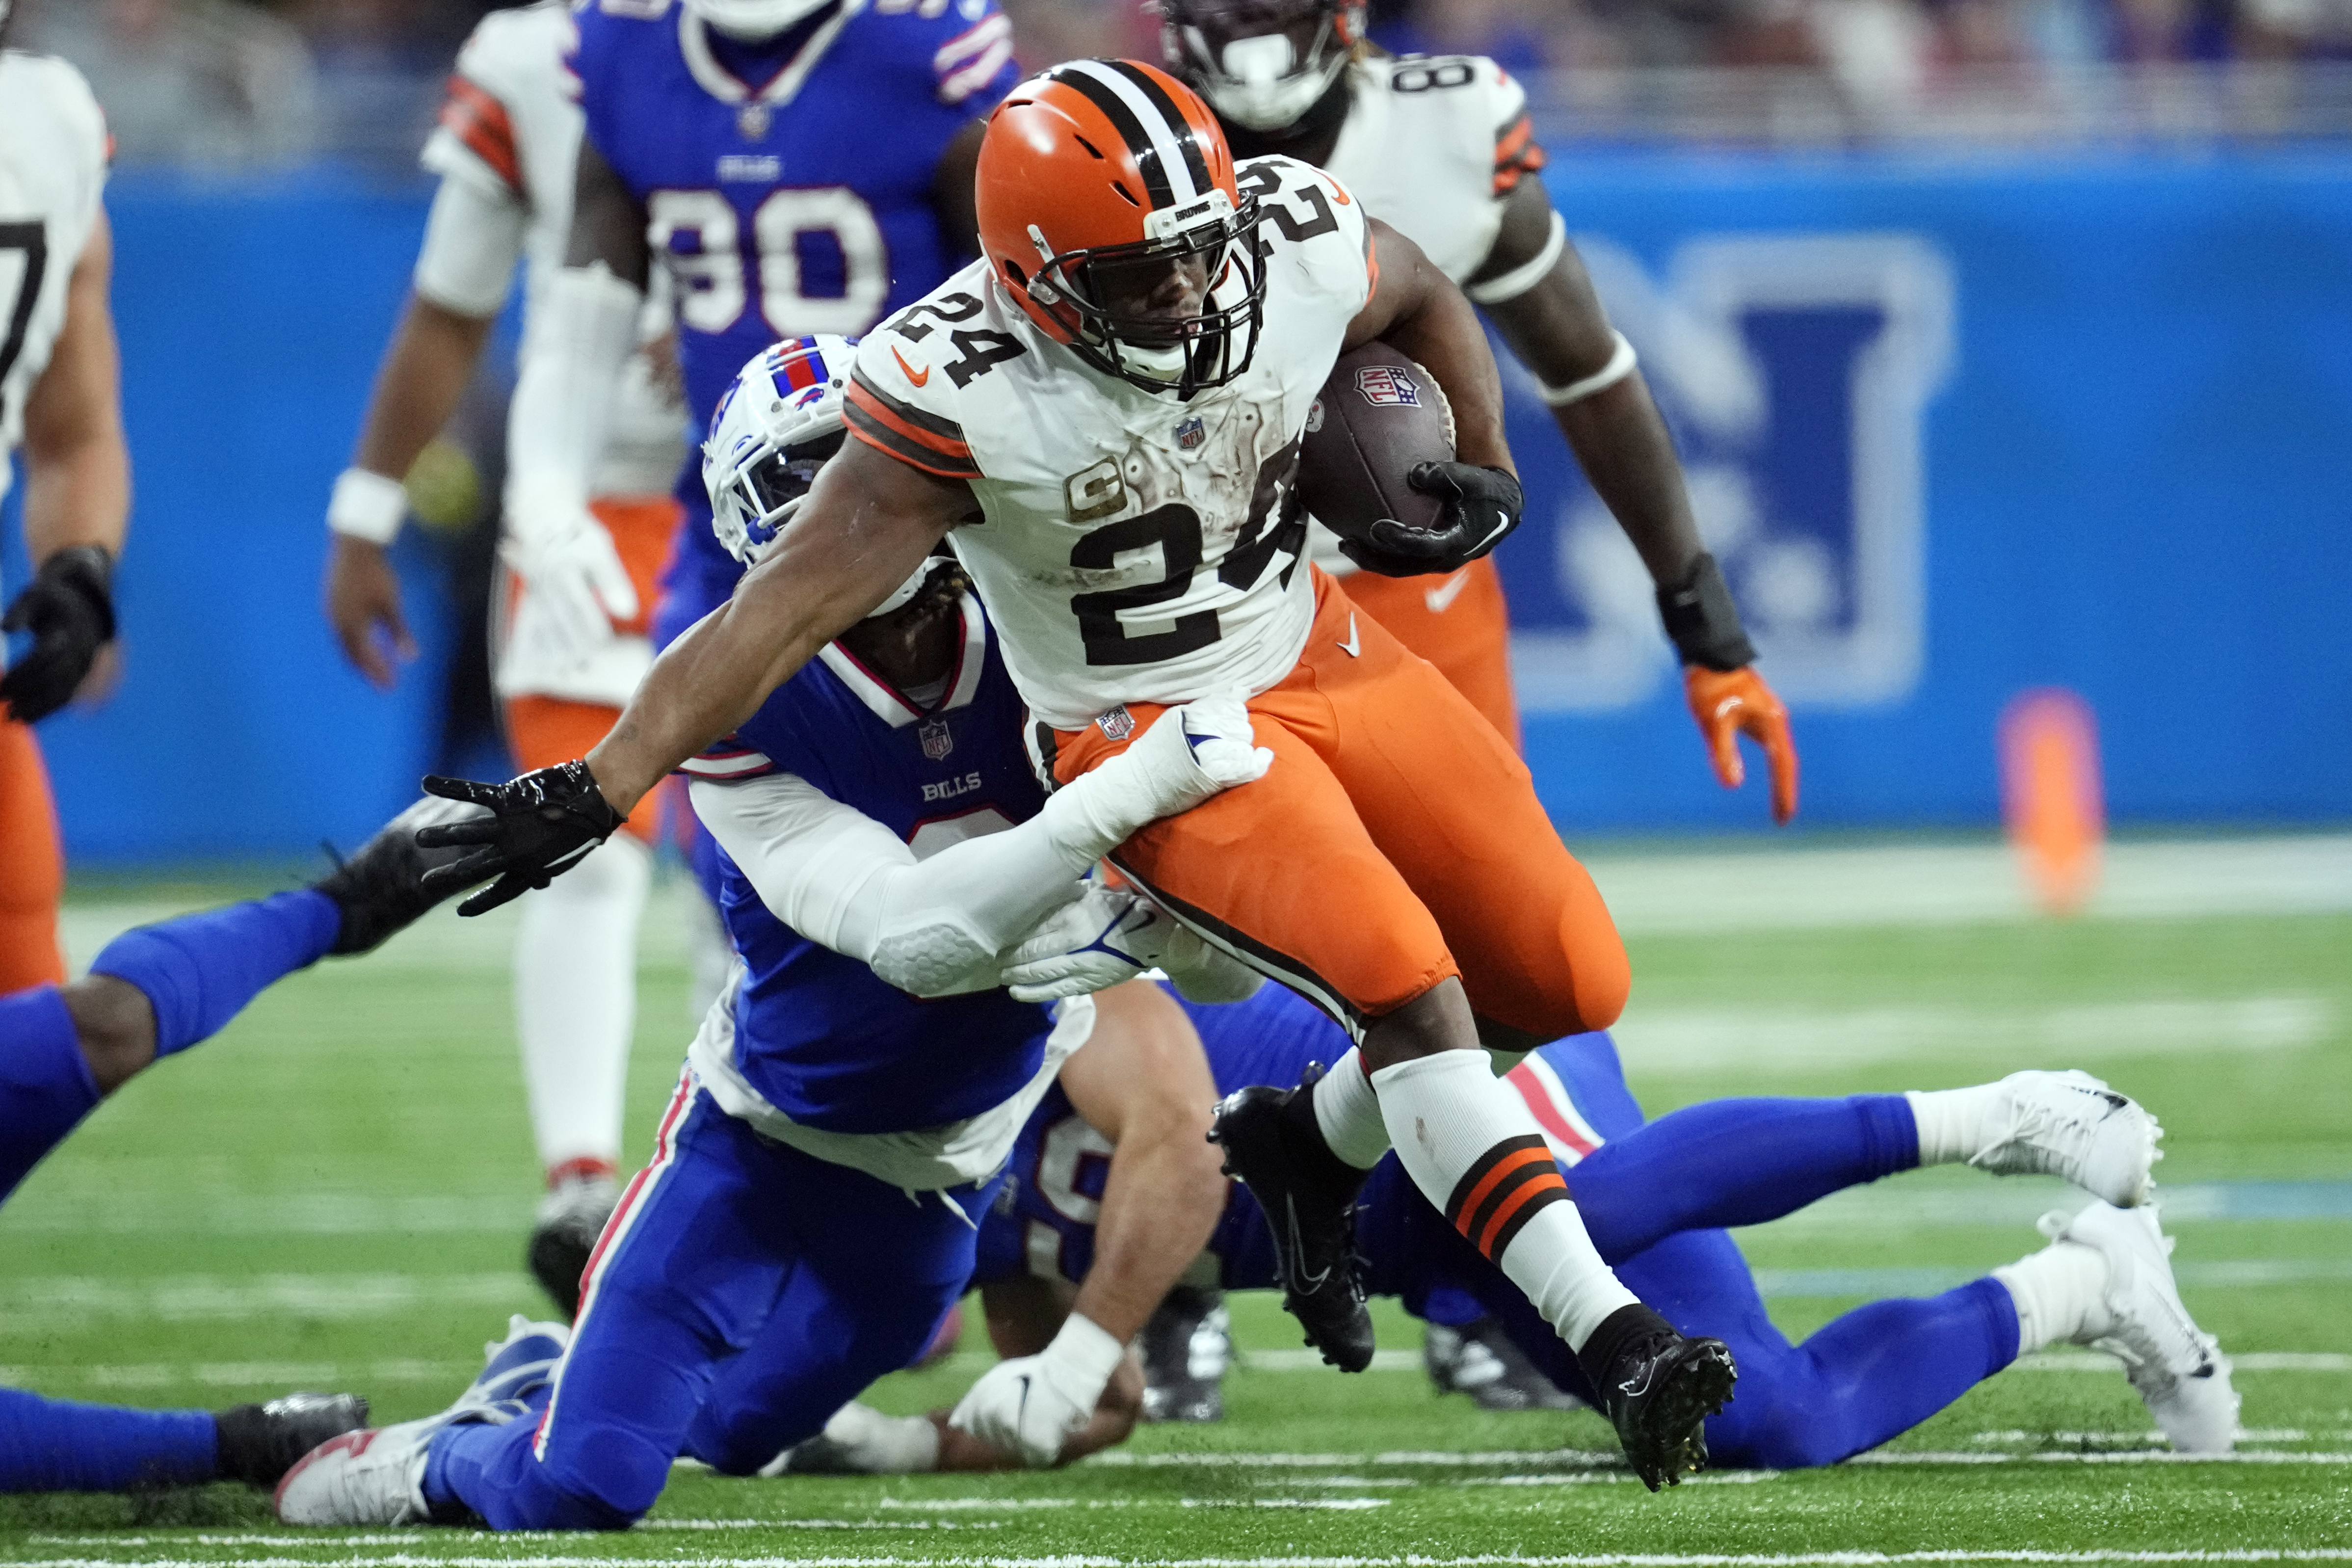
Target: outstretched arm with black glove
76,498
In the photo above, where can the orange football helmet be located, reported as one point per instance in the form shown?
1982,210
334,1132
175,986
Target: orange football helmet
1107,208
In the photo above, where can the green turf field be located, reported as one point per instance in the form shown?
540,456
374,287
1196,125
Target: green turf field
335,1193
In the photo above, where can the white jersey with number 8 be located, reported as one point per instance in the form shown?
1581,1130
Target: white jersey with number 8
1133,547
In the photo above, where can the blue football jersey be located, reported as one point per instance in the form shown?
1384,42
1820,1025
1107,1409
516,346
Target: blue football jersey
1044,1219
819,1036
801,204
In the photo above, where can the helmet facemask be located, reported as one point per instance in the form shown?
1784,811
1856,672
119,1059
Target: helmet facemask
1115,298
1261,64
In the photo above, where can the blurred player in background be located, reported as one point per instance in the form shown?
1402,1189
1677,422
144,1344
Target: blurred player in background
1442,147
61,402
569,638
153,992
741,143
810,1212
1654,1195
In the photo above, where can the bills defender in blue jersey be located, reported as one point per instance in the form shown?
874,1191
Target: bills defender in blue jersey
845,1113
153,992
790,167
1655,1196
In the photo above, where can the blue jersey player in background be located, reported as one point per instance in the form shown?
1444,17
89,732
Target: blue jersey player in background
794,166
1655,1196
809,1211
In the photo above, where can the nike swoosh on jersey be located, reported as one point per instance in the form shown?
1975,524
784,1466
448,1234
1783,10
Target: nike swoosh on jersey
1354,647
1441,598
919,377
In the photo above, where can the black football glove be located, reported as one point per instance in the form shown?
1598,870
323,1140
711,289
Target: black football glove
540,827
68,608
1482,506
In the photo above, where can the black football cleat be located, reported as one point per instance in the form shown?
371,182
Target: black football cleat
381,889
1187,1346
1481,1359
259,1442
1658,1389
1309,1198
563,1238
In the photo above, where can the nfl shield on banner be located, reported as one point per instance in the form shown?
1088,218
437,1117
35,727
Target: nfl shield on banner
937,738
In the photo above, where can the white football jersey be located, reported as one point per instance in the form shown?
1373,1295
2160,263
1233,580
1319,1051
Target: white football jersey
512,124
1134,548
1433,145
53,157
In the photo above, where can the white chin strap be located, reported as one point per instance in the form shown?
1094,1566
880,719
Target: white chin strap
1260,82
752,21
1163,362
904,594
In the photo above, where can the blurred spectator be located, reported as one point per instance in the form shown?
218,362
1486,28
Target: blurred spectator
381,66
194,82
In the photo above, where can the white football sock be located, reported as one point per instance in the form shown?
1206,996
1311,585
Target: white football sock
1953,1122
2061,1295
576,989
709,952
1447,1113
1349,1113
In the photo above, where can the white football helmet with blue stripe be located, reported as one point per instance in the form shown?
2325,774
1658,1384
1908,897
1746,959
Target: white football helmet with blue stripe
774,430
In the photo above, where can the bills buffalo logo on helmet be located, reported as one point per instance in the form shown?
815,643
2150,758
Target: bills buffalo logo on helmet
1384,386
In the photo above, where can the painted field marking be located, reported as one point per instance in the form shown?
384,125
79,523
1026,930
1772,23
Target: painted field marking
1598,1560
71,1300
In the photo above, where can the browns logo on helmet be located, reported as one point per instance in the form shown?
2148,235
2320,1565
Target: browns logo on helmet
1108,210
1264,64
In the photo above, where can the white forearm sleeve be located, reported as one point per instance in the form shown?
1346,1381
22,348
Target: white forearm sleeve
581,331
931,927
473,237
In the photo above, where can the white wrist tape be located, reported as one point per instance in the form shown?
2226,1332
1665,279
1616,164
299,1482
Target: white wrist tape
1621,365
1525,275
1082,1358
367,506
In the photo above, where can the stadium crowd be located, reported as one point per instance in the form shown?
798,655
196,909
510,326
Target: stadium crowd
238,83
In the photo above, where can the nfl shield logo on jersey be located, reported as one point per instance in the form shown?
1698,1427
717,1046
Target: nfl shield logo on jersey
1386,387
937,738
1190,432
1118,724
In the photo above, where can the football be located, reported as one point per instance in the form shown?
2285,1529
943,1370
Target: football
1379,414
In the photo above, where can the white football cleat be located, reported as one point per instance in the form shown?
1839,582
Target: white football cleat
377,1475
2177,1369
2070,1124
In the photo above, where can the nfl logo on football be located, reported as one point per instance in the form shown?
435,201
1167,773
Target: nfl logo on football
937,738
1384,386
1191,433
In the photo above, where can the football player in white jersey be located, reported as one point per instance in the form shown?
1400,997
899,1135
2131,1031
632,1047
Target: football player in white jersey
1106,408
61,402
569,618
1442,147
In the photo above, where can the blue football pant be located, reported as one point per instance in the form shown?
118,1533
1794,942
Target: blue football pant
1655,1201
742,1293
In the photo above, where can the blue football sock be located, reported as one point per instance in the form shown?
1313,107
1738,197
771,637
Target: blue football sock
59,1445
201,970
1864,1377
46,1088
1727,1162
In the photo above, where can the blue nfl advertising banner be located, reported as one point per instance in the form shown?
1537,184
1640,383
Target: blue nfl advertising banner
1956,428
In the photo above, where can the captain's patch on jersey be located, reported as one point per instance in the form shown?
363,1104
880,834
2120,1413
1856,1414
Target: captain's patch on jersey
1384,386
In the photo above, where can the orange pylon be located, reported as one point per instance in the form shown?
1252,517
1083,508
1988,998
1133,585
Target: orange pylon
2050,798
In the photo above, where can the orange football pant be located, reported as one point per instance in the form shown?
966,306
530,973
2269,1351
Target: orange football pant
544,731
32,866
1458,622
1396,841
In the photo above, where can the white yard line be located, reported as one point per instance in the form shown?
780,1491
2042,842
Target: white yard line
1597,1559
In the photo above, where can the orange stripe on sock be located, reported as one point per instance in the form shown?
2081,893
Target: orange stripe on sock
1468,1208
1512,1206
